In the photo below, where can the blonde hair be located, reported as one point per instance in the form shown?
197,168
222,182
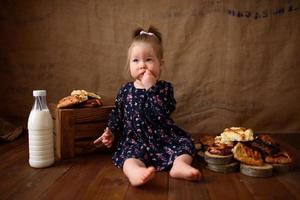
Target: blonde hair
151,36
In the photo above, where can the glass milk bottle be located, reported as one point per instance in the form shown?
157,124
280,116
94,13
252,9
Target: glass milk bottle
40,132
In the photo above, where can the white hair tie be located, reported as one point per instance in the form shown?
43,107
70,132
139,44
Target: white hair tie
147,33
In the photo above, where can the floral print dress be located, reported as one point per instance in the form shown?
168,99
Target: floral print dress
141,121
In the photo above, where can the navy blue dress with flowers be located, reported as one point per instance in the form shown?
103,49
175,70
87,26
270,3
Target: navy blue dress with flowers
141,121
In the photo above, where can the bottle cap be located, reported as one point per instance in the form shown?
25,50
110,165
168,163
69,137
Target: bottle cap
39,93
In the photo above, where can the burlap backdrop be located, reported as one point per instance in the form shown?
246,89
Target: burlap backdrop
232,63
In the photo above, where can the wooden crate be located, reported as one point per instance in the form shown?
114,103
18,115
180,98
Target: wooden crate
76,128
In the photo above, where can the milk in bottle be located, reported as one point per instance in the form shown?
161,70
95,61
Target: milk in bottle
40,132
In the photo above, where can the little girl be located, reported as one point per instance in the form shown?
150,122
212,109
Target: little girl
148,139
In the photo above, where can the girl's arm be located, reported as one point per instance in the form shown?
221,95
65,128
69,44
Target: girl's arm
160,100
106,138
115,122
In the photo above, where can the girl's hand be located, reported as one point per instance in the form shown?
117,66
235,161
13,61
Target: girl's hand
148,79
106,138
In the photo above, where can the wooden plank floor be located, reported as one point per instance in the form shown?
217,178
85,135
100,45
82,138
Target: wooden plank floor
94,177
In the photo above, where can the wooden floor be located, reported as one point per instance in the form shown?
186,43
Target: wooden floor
94,177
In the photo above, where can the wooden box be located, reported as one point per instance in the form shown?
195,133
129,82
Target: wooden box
75,129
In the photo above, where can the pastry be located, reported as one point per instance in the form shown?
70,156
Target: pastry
93,95
70,101
279,158
220,149
247,155
80,98
91,103
90,95
266,145
239,134
206,141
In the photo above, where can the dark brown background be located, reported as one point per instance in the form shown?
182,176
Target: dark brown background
232,63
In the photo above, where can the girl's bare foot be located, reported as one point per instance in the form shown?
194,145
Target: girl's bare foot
182,169
141,176
185,171
136,172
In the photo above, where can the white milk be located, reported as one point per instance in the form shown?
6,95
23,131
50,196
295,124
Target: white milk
40,133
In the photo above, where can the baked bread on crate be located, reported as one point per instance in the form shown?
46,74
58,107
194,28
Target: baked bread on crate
80,98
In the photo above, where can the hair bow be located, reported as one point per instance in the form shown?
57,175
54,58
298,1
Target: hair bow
147,33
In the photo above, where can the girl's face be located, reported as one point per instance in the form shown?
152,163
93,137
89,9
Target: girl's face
142,57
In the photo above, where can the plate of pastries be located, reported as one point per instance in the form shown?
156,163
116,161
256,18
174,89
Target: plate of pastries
80,99
239,149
